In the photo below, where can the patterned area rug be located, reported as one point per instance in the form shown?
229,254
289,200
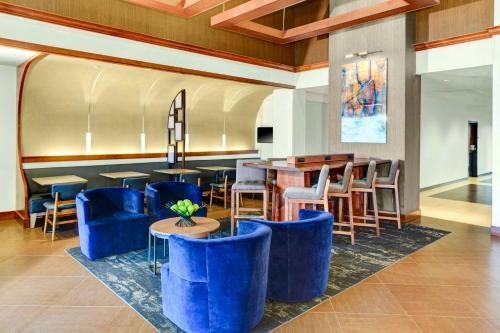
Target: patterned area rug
128,276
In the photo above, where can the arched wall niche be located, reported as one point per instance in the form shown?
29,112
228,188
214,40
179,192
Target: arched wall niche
65,97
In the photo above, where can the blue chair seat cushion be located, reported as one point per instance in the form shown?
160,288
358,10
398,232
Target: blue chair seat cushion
36,201
50,205
301,193
385,181
250,185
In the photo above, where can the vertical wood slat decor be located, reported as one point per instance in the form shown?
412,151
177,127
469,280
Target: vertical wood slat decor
452,18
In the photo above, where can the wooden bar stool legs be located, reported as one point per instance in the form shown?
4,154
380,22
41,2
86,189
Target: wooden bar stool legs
341,226
366,217
236,208
393,186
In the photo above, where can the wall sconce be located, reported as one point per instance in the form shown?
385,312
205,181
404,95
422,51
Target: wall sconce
88,134
361,54
88,143
186,141
224,135
143,143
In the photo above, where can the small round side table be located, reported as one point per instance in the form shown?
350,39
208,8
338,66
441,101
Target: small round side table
164,228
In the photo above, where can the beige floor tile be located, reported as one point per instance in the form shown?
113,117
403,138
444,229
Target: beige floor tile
36,290
41,266
14,319
91,292
313,323
129,321
366,298
433,300
453,325
372,279
326,306
484,299
73,319
362,323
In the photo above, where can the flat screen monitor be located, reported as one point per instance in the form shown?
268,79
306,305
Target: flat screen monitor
264,134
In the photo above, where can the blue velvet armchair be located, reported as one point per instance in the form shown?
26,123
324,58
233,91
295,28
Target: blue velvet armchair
161,193
111,221
217,285
299,260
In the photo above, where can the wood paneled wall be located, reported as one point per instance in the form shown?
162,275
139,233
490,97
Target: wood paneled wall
452,18
195,31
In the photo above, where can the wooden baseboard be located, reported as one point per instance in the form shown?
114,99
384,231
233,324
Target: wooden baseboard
7,215
495,231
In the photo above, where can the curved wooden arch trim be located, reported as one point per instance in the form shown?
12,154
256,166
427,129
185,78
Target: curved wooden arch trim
22,73
25,12
135,63
479,35
68,158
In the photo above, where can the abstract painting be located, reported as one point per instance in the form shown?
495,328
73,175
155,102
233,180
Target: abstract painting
364,95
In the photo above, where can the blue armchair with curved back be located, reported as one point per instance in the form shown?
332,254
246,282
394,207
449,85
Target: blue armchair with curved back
299,259
161,193
111,221
217,285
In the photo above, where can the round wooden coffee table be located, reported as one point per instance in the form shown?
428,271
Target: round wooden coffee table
164,228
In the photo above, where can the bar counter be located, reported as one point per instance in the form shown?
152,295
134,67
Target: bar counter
301,174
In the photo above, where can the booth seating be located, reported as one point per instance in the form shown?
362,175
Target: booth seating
62,205
111,221
299,259
217,285
161,193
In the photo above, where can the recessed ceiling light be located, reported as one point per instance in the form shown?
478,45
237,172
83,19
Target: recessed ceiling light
446,80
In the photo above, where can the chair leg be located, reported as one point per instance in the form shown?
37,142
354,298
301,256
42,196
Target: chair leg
225,198
46,221
286,209
232,211
212,195
341,210
375,211
241,199
325,204
265,204
54,221
237,221
396,203
351,218
365,203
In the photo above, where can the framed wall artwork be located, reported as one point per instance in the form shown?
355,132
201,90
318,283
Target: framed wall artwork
364,101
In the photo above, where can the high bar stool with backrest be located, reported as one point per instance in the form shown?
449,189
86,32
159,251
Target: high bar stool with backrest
391,182
308,195
366,186
64,204
248,180
343,190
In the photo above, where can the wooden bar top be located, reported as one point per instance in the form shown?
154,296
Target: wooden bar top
285,166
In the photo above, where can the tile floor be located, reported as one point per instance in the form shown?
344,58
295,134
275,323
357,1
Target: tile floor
452,285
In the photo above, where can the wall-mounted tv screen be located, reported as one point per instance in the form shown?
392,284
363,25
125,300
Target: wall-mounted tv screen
264,134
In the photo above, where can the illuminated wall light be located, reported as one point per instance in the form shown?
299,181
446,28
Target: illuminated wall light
88,143
143,142
223,141
186,141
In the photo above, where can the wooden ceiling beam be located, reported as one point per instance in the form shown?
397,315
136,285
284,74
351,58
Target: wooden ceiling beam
340,21
249,11
195,7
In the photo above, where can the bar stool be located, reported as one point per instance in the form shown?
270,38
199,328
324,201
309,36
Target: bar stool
343,190
365,186
308,195
248,180
391,182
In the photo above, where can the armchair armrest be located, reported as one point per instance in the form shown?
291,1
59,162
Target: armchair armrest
153,200
82,208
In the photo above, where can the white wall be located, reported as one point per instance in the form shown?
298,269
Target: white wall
316,122
444,134
8,138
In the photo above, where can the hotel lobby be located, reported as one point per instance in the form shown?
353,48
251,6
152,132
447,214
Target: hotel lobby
249,166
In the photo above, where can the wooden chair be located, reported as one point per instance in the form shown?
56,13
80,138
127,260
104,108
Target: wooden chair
248,180
308,195
63,205
219,190
343,190
391,182
366,186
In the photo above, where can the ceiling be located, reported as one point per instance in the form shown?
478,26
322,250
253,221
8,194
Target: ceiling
470,85
13,57
244,17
